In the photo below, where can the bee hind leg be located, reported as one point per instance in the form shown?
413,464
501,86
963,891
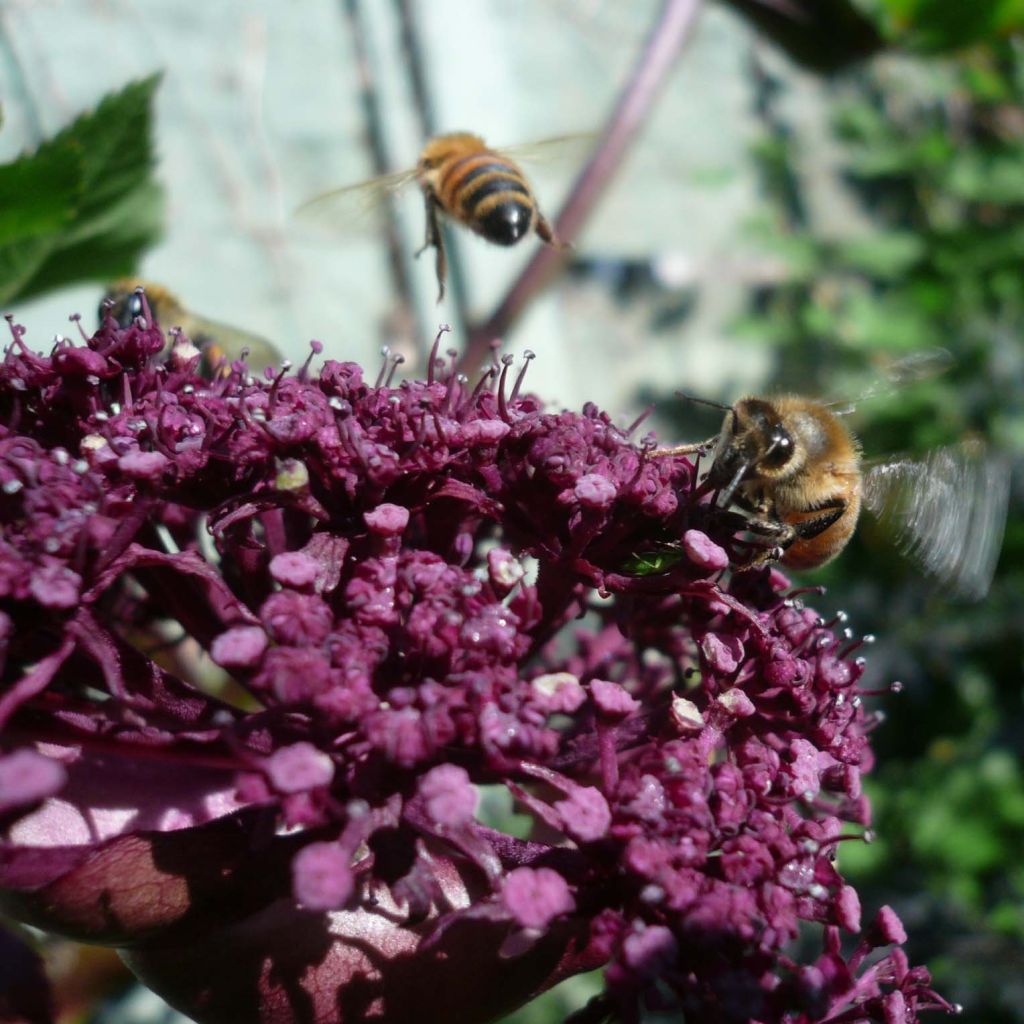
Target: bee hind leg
434,239
546,233
831,513
781,535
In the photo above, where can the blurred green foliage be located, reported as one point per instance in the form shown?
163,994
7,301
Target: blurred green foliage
829,36
929,253
948,24
85,204
926,249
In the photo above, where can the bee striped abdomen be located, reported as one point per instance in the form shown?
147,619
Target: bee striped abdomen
488,194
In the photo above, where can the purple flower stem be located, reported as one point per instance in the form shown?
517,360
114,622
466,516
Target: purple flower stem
609,757
34,681
663,44
559,596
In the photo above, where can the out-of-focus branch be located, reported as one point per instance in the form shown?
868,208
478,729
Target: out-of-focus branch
373,120
670,32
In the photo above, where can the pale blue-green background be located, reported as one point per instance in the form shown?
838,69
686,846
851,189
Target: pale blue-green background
259,110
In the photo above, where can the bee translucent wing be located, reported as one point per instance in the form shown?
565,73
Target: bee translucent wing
946,512
350,203
222,342
556,148
918,366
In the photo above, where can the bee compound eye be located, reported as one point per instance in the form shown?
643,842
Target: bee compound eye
779,451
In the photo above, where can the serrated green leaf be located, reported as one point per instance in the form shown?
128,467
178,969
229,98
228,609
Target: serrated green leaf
116,145
103,255
38,197
84,206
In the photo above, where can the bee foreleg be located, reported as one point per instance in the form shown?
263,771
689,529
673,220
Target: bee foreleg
772,554
760,508
773,529
777,534
435,239
702,448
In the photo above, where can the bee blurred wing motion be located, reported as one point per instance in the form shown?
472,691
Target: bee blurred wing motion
946,511
352,203
222,345
902,373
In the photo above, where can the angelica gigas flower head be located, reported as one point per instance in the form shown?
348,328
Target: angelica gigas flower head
266,641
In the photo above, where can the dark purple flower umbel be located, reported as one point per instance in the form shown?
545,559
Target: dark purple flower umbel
265,643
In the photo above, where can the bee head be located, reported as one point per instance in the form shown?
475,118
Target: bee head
126,301
754,442
123,306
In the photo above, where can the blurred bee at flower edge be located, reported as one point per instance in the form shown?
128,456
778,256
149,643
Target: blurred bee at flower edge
463,178
219,344
796,471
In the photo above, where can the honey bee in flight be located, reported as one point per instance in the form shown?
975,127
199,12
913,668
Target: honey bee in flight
796,470
219,344
463,178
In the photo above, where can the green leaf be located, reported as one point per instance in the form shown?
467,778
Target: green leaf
985,178
19,263
887,256
38,197
102,255
890,323
951,24
38,194
116,144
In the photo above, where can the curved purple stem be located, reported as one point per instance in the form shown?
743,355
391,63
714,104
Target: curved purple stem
666,39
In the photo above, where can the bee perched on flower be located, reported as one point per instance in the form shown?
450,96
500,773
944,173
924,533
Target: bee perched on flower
399,586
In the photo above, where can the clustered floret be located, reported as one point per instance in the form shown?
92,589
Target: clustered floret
416,590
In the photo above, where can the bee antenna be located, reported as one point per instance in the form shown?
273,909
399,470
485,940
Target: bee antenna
702,401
